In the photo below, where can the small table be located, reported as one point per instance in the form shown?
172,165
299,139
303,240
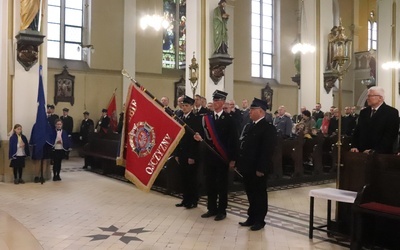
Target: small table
330,194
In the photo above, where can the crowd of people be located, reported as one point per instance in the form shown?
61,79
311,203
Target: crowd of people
224,138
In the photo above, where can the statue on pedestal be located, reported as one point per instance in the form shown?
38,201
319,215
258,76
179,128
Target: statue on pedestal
220,28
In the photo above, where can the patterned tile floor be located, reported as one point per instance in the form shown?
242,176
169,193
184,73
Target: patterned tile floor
89,211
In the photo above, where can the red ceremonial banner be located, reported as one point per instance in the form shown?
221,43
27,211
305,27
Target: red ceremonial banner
112,113
149,137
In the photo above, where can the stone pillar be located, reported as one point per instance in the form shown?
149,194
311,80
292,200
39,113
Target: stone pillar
199,39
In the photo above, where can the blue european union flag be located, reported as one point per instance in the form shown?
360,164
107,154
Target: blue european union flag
41,129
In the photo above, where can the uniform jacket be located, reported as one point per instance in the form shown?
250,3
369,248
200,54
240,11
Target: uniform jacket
227,133
65,139
257,144
12,152
87,126
378,132
68,123
188,146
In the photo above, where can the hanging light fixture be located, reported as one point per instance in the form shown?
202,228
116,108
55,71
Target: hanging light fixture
299,45
154,21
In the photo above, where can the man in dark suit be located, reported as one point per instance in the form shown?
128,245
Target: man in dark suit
198,109
186,154
378,125
318,113
257,144
220,134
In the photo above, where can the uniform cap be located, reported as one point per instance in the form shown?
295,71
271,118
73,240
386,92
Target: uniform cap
258,103
219,95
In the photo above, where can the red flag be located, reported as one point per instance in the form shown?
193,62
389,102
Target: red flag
112,113
149,137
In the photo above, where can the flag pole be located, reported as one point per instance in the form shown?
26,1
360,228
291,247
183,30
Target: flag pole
171,113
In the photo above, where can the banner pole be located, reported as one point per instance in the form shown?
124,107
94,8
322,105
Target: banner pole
171,113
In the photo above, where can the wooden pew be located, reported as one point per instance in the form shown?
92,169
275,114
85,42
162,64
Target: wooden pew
277,170
376,210
292,153
101,151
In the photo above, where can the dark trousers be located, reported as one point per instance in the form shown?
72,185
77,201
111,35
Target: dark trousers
189,182
18,164
217,186
256,190
58,155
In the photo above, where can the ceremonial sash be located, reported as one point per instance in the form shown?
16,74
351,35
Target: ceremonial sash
210,126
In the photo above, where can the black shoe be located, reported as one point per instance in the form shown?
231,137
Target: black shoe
220,217
257,226
55,178
190,206
21,181
42,180
58,178
180,204
36,180
247,223
16,181
208,214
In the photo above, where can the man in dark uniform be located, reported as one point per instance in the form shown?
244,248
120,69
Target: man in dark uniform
186,154
87,127
51,117
68,125
220,133
103,123
257,144
378,125
68,122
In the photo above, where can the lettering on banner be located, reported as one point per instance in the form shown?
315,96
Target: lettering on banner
158,154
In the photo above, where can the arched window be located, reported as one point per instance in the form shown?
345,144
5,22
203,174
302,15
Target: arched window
174,37
65,29
261,38
372,32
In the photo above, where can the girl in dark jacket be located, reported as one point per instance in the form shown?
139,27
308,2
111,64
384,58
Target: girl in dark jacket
18,150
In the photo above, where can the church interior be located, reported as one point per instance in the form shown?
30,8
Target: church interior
284,52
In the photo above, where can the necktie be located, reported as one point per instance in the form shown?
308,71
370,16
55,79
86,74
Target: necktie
216,117
373,112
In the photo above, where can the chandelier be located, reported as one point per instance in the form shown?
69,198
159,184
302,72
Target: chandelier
301,46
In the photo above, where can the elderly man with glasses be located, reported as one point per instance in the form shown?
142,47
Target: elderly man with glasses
378,125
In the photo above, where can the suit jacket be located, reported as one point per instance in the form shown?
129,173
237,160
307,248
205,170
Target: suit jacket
378,132
227,133
257,146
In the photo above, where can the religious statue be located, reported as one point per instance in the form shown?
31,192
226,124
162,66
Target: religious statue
330,64
220,28
29,14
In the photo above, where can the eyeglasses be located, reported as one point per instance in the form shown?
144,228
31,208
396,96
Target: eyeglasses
372,95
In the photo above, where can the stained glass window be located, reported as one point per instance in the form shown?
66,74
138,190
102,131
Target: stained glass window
174,37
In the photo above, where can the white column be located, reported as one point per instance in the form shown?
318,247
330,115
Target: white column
313,64
130,23
193,44
385,78
200,29
326,19
4,60
308,90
